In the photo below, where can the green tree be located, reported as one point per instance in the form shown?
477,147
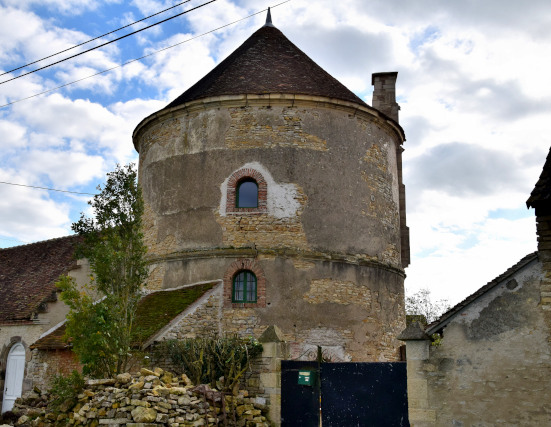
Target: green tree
101,320
421,304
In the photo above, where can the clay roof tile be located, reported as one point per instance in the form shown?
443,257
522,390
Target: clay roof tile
267,62
28,274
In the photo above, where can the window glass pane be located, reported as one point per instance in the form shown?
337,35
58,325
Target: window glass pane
239,287
251,287
247,195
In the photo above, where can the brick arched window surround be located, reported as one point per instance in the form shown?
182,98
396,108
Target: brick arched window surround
235,268
244,175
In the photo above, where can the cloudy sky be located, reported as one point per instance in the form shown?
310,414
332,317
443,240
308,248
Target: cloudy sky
474,87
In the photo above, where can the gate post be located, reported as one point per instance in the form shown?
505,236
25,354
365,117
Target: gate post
417,351
274,350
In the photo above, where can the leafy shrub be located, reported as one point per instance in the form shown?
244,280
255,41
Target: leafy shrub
206,360
65,391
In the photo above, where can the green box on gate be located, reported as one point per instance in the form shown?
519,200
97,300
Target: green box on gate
306,377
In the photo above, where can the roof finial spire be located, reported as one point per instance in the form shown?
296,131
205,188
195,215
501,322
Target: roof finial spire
269,19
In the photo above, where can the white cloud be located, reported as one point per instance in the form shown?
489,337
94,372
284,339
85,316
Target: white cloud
176,69
454,273
28,214
13,136
65,169
73,7
473,86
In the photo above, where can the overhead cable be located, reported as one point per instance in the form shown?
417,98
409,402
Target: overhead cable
91,40
106,43
137,59
46,188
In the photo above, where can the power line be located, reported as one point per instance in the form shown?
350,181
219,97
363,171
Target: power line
106,43
91,40
138,59
46,188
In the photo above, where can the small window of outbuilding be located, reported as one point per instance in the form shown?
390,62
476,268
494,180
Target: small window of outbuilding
247,194
244,287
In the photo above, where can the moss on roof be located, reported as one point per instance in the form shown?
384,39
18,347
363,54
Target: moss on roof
157,309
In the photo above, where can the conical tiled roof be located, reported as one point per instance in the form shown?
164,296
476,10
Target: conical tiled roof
267,62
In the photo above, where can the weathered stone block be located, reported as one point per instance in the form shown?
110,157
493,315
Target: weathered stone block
141,414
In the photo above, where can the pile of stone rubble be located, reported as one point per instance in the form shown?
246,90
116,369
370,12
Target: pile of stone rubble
148,398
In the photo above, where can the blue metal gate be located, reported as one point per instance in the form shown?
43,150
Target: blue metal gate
299,403
352,394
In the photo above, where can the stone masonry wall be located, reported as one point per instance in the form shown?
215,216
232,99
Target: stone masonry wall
493,366
45,364
327,169
543,218
339,159
333,305
146,398
204,320
250,129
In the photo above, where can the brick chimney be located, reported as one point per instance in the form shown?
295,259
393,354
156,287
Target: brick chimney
384,93
384,100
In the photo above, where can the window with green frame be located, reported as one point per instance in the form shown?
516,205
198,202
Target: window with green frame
244,287
247,194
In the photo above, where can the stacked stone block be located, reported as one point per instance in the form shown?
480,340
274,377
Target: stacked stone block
148,398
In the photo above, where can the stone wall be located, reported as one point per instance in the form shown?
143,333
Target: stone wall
493,365
328,156
203,319
149,397
543,218
355,312
45,364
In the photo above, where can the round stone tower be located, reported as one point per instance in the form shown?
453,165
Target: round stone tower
272,177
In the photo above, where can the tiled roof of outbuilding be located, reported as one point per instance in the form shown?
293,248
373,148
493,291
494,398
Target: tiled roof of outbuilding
541,194
28,274
53,340
267,62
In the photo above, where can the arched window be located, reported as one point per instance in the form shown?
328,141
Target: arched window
244,287
247,194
